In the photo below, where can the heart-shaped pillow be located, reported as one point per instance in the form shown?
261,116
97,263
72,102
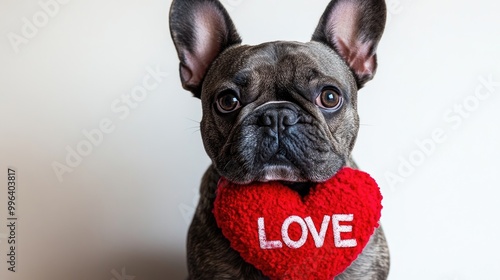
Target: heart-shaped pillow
287,236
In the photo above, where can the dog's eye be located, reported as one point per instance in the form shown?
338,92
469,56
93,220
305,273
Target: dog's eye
330,99
227,102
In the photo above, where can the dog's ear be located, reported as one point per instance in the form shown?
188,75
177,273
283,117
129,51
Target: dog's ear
201,30
353,29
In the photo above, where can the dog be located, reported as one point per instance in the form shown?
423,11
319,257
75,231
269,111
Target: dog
278,111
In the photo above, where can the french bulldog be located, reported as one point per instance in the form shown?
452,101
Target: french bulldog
279,111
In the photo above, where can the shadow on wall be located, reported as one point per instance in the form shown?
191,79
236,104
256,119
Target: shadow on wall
135,266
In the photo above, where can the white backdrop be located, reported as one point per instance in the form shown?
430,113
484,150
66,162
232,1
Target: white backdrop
128,168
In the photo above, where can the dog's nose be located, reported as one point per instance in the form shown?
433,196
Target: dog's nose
278,120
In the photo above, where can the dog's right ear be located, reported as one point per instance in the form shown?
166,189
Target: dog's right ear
201,30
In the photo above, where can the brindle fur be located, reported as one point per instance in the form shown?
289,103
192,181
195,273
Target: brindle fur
282,79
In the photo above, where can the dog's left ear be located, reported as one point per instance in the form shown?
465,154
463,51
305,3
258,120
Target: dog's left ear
353,29
201,30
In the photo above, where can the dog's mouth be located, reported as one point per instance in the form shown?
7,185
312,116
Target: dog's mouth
289,176
302,188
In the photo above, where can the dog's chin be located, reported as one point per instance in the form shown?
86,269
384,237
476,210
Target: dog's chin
288,176
280,173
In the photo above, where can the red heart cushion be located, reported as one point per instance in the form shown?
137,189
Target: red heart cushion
287,236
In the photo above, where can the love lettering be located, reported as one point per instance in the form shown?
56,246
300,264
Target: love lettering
307,227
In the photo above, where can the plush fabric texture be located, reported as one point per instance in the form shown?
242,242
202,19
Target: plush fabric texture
252,217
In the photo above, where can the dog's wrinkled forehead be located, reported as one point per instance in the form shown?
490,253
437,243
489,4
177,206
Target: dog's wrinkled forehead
278,65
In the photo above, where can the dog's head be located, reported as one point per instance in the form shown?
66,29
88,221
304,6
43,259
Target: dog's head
280,110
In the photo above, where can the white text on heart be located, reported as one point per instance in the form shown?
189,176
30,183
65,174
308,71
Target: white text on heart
307,226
